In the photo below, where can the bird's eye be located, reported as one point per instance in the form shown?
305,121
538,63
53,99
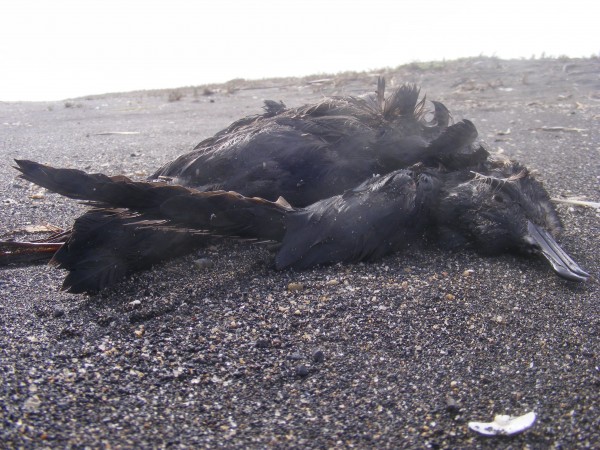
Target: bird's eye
498,198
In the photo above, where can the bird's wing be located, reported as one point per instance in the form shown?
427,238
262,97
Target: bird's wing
364,223
219,212
455,147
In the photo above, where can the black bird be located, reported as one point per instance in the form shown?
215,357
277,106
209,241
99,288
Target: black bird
435,182
312,152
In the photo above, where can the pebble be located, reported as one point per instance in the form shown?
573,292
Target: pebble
38,195
262,343
32,404
295,287
302,371
318,356
203,263
451,404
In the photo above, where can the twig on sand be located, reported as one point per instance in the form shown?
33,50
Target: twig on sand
577,202
565,129
116,132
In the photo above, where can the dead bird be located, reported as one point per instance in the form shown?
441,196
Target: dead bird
315,151
499,208
435,181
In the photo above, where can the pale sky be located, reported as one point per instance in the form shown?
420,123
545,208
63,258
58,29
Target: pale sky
57,49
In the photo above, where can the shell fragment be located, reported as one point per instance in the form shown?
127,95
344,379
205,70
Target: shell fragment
504,425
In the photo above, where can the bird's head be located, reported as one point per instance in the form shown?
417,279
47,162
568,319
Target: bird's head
503,208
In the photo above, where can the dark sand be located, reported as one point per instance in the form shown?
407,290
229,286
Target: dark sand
402,353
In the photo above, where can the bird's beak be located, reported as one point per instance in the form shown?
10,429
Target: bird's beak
561,263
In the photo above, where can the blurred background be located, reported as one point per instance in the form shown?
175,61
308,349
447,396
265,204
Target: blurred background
52,50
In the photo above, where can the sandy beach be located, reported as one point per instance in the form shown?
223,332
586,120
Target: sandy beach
400,353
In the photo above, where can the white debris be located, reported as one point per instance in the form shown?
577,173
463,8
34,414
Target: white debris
504,425
106,133
32,404
578,202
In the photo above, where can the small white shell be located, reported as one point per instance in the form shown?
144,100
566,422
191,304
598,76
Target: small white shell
504,425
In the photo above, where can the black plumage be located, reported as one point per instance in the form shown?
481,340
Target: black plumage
345,180
312,152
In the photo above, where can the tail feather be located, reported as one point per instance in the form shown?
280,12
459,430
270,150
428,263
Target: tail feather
107,245
404,101
139,224
221,212
118,191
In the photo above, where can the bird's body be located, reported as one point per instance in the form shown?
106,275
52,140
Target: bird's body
346,180
312,152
